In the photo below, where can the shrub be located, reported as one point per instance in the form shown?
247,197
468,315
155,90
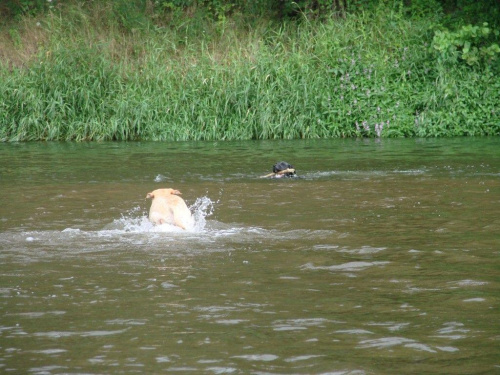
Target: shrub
474,45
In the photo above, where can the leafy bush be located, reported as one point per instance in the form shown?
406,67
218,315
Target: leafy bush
475,45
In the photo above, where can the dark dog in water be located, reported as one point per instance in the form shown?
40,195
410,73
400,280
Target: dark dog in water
282,169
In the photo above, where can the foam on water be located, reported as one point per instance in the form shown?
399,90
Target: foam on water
201,209
133,231
136,221
350,266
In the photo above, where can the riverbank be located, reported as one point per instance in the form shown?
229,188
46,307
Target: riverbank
77,74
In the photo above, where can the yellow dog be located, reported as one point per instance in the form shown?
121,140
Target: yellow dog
167,207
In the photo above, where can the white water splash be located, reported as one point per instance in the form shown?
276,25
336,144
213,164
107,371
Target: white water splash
136,220
160,178
201,209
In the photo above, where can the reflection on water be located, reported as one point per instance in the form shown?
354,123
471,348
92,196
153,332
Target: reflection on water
382,258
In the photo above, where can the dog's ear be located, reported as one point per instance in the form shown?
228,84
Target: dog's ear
150,195
177,192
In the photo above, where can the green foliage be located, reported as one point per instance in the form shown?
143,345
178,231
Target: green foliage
475,45
131,13
464,12
174,6
16,8
370,74
423,8
16,37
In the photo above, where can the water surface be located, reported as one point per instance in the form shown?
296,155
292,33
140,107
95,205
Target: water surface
382,258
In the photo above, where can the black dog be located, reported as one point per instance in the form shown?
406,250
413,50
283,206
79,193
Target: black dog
282,169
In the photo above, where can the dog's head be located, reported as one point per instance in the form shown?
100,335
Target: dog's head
162,193
284,169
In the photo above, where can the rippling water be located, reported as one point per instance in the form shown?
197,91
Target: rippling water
382,258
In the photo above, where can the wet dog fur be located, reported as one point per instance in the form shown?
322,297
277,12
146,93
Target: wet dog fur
167,207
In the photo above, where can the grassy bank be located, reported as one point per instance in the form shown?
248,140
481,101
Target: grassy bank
78,75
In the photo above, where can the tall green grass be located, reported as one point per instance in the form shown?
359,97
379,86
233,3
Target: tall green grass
372,75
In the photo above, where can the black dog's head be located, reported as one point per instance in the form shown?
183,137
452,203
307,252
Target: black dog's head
283,165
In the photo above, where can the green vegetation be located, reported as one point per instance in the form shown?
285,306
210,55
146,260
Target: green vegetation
178,70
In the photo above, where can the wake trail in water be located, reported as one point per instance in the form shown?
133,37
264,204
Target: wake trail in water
133,230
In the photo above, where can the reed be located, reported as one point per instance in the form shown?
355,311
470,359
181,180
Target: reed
371,75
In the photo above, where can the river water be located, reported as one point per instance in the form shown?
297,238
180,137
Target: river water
382,258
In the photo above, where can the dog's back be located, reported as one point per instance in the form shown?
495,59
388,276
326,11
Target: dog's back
167,207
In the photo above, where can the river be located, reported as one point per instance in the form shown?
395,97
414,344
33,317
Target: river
382,257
